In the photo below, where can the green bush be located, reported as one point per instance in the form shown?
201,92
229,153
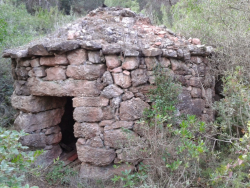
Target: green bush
171,150
14,160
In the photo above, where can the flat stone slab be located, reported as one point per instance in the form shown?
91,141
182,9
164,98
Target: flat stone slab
85,88
90,101
36,104
88,114
32,122
95,156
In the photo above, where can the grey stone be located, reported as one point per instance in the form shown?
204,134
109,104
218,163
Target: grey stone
111,91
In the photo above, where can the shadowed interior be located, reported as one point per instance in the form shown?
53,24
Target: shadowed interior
67,127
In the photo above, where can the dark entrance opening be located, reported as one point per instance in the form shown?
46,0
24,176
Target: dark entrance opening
67,127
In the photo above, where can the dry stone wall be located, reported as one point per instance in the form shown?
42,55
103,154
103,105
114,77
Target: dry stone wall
109,83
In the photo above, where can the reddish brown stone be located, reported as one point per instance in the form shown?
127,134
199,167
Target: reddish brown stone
53,138
31,122
86,130
151,62
95,156
165,62
35,62
63,88
139,77
88,114
85,72
151,52
112,61
132,109
55,73
95,142
106,123
35,104
122,80
77,57
130,63
53,61
90,101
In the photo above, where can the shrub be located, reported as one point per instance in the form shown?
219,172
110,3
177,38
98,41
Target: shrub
14,160
170,150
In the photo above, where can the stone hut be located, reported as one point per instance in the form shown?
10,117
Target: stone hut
86,82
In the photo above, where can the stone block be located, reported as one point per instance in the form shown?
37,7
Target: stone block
130,63
132,109
107,78
198,106
196,92
77,57
169,53
94,56
139,77
39,72
90,101
165,62
53,130
112,61
108,113
86,130
63,88
103,173
178,65
119,124
34,140
118,138
55,73
32,122
95,156
106,123
36,104
38,49
53,138
22,73
55,60
95,142
21,88
35,62
185,101
85,72
127,95
151,52
88,114
196,82
111,91
151,63
122,80
108,49
24,63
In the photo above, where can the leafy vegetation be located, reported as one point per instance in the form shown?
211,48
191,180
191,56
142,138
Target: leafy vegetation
15,162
